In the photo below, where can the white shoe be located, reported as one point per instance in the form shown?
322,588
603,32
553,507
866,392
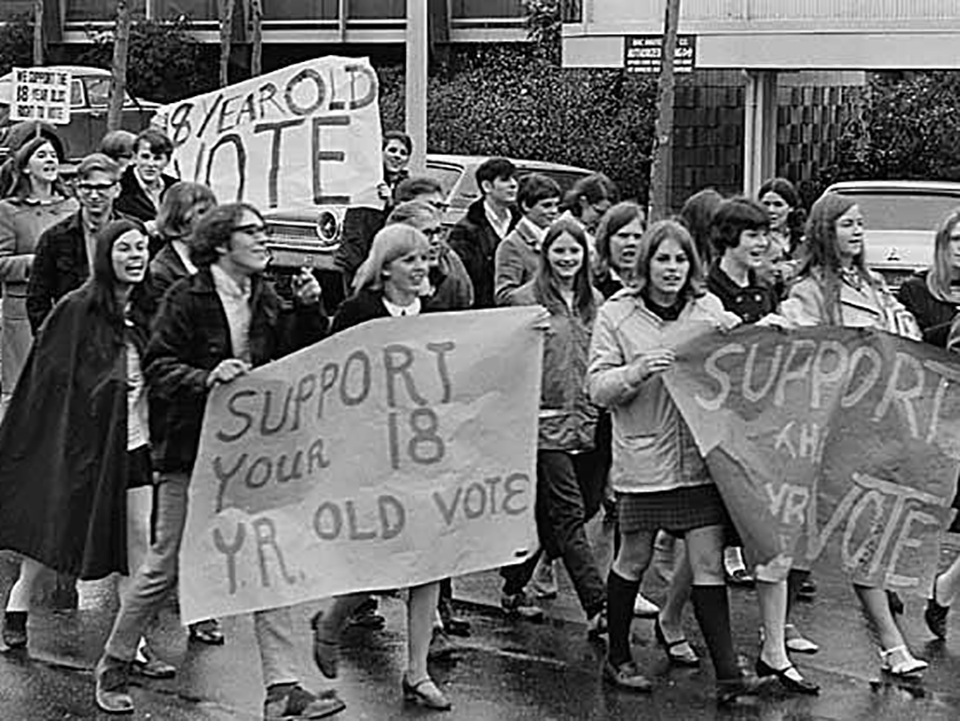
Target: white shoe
643,607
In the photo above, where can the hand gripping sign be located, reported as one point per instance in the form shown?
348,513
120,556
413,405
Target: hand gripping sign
829,445
394,453
308,134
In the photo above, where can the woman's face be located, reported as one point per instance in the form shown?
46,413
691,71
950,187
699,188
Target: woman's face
395,156
778,209
406,273
849,232
129,257
43,165
669,268
624,244
565,257
955,246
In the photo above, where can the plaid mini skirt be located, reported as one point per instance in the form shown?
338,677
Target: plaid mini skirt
675,511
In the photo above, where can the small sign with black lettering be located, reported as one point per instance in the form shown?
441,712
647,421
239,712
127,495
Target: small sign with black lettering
642,54
41,94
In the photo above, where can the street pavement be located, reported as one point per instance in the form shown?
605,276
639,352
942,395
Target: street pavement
504,671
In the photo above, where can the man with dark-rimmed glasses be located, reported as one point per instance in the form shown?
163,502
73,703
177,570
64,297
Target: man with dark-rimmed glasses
64,252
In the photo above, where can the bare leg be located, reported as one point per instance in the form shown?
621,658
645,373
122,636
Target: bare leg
19,599
421,610
947,584
772,598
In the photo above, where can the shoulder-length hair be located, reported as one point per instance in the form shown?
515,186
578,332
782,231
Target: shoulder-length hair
697,216
21,187
546,285
181,208
102,285
821,259
941,270
619,216
413,212
214,230
594,188
796,217
649,244
393,242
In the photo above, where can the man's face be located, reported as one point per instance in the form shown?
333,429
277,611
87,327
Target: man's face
501,191
97,192
248,251
543,212
149,164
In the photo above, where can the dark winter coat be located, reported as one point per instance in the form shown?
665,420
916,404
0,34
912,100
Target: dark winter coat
476,243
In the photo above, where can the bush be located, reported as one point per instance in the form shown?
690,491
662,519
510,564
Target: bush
165,63
910,128
16,44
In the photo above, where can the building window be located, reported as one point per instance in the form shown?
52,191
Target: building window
300,9
99,10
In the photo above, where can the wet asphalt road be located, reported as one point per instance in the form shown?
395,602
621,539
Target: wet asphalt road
504,671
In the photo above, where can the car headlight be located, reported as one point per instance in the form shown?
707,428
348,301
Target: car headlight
328,227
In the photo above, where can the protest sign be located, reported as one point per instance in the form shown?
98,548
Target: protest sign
833,445
41,94
391,454
308,134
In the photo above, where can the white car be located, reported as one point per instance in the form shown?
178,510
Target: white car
901,218
308,236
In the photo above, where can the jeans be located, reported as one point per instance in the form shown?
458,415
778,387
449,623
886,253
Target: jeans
564,488
157,578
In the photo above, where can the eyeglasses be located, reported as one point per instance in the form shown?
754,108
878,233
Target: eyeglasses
432,233
100,188
440,205
251,229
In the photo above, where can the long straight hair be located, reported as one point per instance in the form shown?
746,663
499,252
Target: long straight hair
546,284
102,286
941,271
651,241
821,256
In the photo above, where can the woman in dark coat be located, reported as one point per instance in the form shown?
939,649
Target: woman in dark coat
76,434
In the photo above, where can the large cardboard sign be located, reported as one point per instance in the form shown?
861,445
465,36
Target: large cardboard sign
41,94
395,453
829,445
308,134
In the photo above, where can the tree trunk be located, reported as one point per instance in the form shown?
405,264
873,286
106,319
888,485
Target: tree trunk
256,18
37,33
118,85
663,134
226,35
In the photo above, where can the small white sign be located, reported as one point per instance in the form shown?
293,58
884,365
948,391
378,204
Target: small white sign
41,94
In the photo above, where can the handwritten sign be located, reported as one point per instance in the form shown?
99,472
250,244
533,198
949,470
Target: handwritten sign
644,54
394,453
830,445
41,94
308,134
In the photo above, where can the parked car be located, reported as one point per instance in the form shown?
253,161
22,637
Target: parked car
89,97
901,219
308,236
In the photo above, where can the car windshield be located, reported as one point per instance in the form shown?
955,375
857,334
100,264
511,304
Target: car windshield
903,211
445,175
98,91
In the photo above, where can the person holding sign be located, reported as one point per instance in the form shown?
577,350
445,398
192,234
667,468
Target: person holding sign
35,202
740,237
834,287
659,476
566,454
389,285
75,439
211,328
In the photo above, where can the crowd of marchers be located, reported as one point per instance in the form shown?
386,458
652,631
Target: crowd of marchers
129,295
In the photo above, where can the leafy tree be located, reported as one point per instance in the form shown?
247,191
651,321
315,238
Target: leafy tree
16,43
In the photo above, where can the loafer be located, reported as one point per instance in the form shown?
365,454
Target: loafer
626,676
796,685
147,664
15,629
643,607
207,632
295,703
936,615
425,693
326,651
112,691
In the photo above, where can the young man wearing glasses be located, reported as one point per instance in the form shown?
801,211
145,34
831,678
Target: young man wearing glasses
212,328
64,252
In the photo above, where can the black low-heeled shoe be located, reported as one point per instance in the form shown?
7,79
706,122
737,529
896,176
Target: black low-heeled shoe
802,685
690,660
936,615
